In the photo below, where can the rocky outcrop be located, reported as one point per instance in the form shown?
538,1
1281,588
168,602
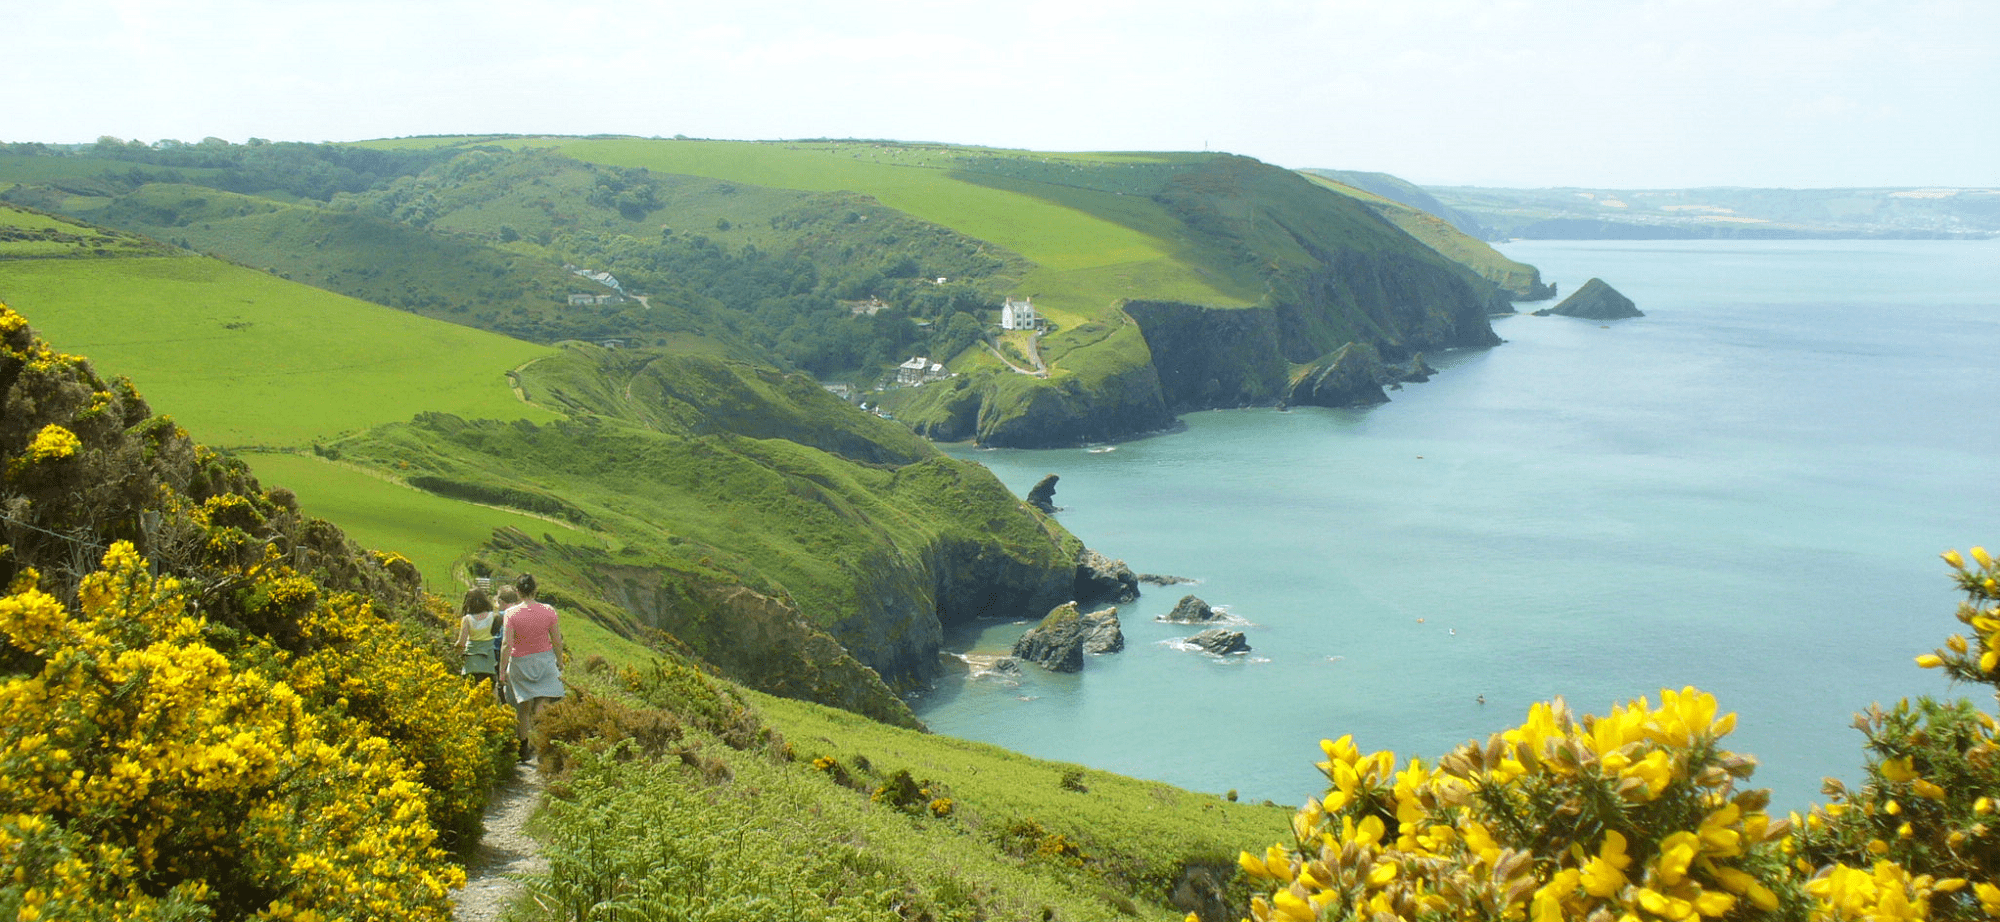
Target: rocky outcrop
1220,642
1103,633
1191,610
1594,301
1164,579
1416,369
1351,377
1043,495
1101,579
1060,642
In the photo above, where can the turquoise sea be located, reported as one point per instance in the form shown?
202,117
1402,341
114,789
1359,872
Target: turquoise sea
1745,490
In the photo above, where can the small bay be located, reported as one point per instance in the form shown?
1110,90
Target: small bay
1745,490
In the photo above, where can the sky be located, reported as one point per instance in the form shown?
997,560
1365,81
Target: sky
1526,93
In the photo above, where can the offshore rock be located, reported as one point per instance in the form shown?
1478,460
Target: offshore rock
1594,301
1165,579
1191,610
1219,642
1351,377
1101,579
1416,369
1059,643
1103,634
1043,495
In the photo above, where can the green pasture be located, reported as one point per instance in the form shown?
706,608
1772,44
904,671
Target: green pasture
381,514
28,234
243,358
917,181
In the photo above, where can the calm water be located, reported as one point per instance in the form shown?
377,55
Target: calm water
1746,491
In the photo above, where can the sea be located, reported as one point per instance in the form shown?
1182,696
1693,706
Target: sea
1745,491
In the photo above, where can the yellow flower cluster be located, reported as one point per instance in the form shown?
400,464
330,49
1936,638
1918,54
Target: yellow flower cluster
366,673
51,443
1632,815
1976,659
143,773
1886,894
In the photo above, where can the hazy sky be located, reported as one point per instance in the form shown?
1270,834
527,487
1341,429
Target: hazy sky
1662,93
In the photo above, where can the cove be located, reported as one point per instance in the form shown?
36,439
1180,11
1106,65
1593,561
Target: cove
1745,490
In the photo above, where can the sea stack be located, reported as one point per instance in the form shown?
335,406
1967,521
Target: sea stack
1043,496
1059,643
1594,301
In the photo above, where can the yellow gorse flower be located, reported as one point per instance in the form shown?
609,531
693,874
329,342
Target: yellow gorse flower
1464,838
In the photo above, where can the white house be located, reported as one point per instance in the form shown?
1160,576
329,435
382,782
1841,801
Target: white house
1018,315
920,370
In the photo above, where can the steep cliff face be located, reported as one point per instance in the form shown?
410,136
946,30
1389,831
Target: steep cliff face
1208,357
1092,401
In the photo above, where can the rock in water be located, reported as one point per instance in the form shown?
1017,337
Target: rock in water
1594,301
1102,633
1043,496
1101,579
1351,377
1059,643
1217,641
1191,610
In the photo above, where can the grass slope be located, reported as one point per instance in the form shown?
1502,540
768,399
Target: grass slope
243,358
1519,279
678,791
436,533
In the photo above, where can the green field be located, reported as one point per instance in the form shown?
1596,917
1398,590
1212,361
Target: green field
1060,231
434,532
242,358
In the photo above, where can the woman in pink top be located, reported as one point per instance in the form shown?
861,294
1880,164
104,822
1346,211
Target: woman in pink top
531,654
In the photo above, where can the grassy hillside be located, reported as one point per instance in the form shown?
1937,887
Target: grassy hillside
839,258
1522,281
244,358
770,526
682,790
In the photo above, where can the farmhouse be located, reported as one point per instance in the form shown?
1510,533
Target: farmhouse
1019,315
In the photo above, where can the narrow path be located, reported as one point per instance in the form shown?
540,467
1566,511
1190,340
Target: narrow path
505,853
1003,360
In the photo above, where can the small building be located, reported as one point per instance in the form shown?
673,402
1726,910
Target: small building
1018,315
870,307
920,370
591,300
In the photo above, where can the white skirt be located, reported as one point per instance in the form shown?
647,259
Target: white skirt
535,676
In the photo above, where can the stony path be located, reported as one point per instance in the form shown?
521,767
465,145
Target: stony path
505,852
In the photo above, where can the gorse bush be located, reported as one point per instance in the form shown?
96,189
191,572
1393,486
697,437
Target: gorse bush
229,725
138,760
1636,816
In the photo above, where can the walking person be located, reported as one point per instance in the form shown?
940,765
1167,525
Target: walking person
477,623
530,658
508,598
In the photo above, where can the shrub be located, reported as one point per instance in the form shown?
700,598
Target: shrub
597,723
142,772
